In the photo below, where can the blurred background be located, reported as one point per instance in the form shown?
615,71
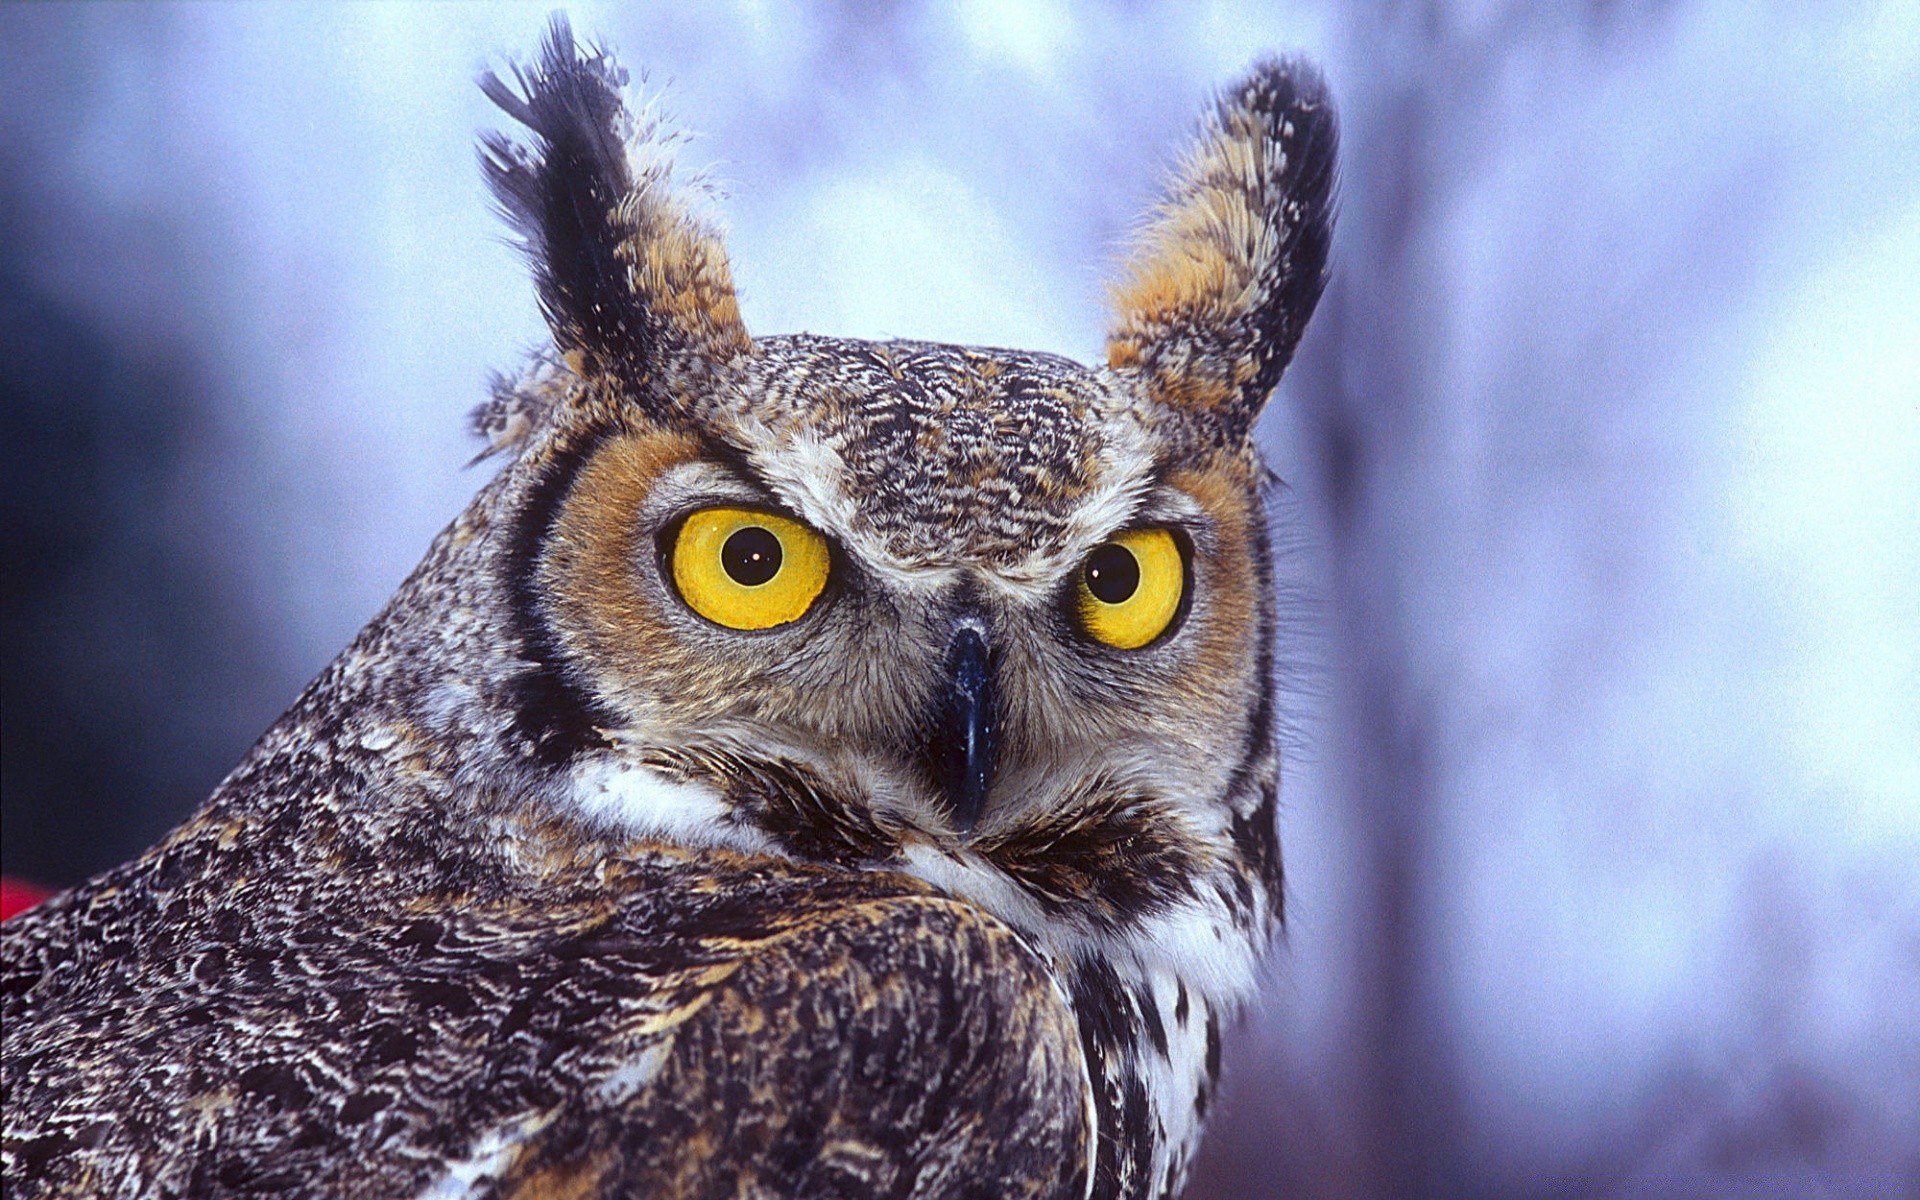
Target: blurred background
1601,525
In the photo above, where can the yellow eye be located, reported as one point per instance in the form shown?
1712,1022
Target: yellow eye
1130,587
746,569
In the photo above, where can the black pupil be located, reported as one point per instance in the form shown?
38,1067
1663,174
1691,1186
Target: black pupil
751,556
1113,573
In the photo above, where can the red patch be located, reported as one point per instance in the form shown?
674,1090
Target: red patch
18,897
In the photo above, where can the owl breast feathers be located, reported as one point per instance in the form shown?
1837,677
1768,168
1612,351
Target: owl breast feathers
811,767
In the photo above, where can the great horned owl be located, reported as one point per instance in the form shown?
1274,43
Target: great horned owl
811,767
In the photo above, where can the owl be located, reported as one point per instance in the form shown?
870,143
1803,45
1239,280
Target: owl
809,768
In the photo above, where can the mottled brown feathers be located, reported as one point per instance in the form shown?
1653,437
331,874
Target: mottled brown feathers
629,276
1110,860
949,454
550,886
1107,857
1230,267
799,1053
790,802
579,975
517,405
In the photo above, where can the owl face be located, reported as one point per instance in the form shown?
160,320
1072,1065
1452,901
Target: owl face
995,618
960,587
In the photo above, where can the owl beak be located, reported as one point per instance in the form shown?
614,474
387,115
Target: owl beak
961,750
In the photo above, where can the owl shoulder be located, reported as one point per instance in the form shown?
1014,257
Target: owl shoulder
908,1045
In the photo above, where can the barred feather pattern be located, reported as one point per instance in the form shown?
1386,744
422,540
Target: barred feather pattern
550,886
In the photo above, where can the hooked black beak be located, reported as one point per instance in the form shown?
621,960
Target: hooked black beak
961,749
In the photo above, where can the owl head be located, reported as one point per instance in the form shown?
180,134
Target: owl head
994,618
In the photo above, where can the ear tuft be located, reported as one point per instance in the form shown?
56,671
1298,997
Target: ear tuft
1228,269
519,404
630,279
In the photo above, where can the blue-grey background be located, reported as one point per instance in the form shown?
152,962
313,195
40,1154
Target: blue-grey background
1603,516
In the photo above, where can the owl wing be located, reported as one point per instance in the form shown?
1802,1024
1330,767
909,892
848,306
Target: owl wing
904,1046
652,1024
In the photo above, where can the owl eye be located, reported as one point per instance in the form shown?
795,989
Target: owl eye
1130,588
746,569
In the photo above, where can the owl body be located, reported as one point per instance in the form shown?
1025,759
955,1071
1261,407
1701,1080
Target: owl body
810,767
